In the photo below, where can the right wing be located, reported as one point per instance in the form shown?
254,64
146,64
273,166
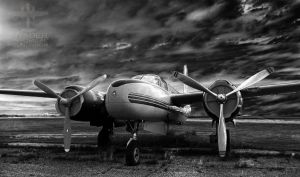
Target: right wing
33,93
186,98
190,98
270,90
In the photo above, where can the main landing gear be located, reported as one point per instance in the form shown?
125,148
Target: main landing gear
103,139
228,146
132,147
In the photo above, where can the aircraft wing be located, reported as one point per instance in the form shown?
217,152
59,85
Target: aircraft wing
33,93
270,90
187,98
190,98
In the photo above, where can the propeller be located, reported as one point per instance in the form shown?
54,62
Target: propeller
222,136
90,86
192,83
67,130
222,98
46,89
253,80
67,103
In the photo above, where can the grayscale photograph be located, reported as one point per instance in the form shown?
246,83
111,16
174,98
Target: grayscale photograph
149,88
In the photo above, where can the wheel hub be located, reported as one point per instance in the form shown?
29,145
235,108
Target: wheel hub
136,154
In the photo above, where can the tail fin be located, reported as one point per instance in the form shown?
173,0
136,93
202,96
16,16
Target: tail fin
185,72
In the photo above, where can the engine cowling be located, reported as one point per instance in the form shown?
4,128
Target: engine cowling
89,107
233,103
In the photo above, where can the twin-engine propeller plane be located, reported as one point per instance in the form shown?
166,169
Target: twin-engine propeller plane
150,101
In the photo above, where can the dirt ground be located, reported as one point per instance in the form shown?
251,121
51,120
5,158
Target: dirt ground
46,162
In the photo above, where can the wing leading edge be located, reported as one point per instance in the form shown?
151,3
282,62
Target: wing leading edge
32,93
188,98
271,90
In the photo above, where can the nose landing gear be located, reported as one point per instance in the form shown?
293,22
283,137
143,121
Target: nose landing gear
132,152
132,147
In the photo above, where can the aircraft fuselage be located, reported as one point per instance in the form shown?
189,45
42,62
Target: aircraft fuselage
133,99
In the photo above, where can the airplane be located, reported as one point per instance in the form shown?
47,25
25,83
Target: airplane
147,101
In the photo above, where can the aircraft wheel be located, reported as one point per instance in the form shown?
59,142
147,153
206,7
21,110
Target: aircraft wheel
132,153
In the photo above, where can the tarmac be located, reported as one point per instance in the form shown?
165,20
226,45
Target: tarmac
262,147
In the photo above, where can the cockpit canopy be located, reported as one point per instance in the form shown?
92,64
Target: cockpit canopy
155,79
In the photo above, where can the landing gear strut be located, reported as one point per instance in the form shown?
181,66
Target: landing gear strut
103,139
132,147
228,146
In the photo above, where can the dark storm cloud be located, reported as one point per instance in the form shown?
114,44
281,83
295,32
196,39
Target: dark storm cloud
77,30
84,39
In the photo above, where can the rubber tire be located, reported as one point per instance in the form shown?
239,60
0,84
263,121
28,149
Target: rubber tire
132,153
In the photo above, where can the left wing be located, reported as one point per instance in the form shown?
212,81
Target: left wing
33,93
190,98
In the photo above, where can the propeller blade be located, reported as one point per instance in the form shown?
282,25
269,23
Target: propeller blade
252,80
46,89
67,130
90,86
192,83
222,136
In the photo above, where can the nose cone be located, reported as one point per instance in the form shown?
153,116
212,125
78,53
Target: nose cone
117,92
117,102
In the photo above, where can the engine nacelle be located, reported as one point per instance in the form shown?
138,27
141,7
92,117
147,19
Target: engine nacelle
233,103
89,107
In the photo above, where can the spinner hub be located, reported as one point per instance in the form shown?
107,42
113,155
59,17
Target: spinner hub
231,103
75,105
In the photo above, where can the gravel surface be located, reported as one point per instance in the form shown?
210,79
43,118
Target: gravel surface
46,162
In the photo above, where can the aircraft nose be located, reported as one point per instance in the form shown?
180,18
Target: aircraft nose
117,103
116,96
117,93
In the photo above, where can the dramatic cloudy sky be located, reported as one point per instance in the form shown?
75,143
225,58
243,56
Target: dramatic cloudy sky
63,42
